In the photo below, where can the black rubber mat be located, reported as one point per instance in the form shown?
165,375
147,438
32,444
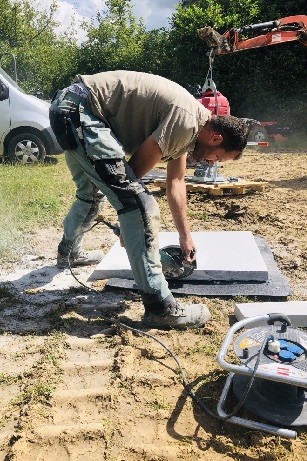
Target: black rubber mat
276,286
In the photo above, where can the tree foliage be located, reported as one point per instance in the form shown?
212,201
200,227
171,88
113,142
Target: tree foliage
265,83
115,39
41,55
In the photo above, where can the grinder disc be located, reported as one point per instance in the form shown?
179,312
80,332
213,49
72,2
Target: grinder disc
173,264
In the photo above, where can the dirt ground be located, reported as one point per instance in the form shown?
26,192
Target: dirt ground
74,387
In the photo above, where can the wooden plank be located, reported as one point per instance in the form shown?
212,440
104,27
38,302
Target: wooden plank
238,188
215,192
196,187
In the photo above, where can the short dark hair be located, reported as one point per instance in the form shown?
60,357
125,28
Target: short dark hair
234,131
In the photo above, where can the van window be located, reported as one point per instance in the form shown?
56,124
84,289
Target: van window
10,80
4,91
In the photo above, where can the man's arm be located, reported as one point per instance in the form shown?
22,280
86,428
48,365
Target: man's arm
177,201
146,157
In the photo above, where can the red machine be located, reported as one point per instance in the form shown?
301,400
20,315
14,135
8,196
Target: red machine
211,98
215,102
269,33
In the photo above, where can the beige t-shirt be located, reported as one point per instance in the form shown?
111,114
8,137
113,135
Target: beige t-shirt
137,105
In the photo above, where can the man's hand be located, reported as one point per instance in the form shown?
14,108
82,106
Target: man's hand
188,248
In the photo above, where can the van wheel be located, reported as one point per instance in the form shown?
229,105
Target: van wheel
26,148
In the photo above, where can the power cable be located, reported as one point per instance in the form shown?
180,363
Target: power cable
186,384
251,381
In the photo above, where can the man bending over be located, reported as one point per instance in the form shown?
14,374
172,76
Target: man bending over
99,120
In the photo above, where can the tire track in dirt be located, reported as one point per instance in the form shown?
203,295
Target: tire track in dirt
69,397
73,425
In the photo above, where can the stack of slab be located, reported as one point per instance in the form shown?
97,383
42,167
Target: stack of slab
228,264
295,310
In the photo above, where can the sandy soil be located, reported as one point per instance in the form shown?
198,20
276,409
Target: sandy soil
74,387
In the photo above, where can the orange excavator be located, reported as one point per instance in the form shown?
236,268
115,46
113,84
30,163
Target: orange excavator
289,29
281,30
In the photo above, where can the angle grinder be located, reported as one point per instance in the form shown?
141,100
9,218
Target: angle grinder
173,263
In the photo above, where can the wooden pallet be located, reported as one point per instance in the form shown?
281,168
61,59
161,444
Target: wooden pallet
236,188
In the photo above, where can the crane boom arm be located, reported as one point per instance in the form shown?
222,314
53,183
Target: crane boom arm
258,35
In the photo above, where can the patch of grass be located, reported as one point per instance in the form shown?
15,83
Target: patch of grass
6,379
2,423
198,215
37,194
201,348
40,207
10,237
159,404
241,299
41,379
53,347
38,392
31,196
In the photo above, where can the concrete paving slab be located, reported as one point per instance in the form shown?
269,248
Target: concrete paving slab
276,286
295,310
221,256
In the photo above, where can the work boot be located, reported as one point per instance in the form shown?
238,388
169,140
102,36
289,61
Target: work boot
180,316
83,258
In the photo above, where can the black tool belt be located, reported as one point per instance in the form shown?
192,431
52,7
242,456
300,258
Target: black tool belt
62,121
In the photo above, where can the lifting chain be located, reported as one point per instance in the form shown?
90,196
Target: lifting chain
209,83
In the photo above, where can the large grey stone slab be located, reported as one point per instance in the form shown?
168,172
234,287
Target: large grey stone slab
221,256
276,286
295,310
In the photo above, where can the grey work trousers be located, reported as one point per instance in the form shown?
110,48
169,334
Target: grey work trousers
97,164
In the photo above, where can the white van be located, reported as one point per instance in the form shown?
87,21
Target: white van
25,132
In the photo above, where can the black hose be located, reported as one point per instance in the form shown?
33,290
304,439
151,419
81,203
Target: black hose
187,386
